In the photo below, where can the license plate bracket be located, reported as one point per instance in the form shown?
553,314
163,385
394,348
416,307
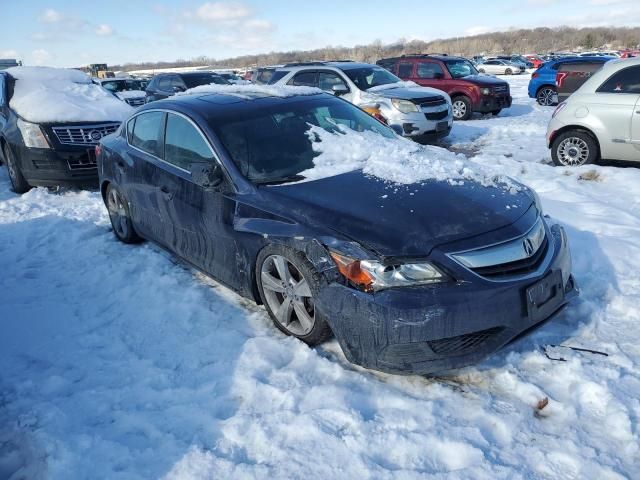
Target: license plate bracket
545,296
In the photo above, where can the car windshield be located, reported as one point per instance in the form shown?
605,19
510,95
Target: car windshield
115,86
192,81
272,145
460,68
369,77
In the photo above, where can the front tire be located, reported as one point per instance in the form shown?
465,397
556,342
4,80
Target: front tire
462,109
18,183
288,285
508,71
574,148
495,113
120,215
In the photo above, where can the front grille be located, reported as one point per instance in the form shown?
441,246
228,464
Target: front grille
463,344
135,102
84,134
519,267
437,115
430,102
501,89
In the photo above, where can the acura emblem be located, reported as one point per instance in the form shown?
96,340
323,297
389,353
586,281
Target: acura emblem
527,245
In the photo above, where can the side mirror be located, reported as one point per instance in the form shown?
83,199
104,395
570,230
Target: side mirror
177,88
207,175
339,90
397,128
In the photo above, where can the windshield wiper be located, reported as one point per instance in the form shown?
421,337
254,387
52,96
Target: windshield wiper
277,181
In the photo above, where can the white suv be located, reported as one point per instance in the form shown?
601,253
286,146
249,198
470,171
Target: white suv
601,120
420,113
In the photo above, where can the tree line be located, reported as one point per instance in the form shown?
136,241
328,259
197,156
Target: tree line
538,40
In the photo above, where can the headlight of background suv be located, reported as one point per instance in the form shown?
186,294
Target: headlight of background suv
405,106
485,91
371,275
32,135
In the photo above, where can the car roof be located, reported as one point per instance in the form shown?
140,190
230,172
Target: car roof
319,65
218,104
579,59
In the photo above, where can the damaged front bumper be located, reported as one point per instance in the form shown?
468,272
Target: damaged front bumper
427,329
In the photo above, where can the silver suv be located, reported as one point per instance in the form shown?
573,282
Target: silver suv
601,120
421,113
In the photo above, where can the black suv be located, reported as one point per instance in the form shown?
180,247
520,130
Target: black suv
47,154
164,85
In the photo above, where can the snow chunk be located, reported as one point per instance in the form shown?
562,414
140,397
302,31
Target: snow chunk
397,160
248,91
58,95
387,86
130,94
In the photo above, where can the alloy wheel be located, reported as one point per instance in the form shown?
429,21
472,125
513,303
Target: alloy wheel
288,295
573,151
117,213
545,97
459,109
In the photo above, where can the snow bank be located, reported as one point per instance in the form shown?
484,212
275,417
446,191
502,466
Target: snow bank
247,91
397,160
57,95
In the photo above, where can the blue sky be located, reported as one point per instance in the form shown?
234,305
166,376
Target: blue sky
73,33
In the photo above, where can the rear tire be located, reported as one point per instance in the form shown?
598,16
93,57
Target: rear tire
462,109
481,70
508,71
288,284
18,182
545,96
120,215
574,148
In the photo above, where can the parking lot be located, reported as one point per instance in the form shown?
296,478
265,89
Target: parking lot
136,366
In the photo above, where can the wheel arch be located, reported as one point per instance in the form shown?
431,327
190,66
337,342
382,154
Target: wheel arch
581,128
103,190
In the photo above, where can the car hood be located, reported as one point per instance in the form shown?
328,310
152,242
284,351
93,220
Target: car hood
397,220
409,93
484,80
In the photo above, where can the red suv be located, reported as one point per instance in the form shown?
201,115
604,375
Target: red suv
469,90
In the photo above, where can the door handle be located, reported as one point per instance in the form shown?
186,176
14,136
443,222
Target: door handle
168,194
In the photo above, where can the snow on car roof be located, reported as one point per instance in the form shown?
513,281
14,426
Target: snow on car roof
251,91
58,95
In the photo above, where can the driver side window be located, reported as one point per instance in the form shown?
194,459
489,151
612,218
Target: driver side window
184,145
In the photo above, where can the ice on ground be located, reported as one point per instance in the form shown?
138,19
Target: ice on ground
250,90
118,362
58,95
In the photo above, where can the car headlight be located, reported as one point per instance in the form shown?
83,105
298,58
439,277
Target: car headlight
405,106
32,135
371,275
485,91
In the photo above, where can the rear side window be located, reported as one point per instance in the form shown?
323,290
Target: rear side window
624,81
164,83
327,80
184,145
429,70
405,70
305,79
147,133
277,75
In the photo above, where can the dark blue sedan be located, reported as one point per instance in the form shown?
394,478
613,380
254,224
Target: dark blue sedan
440,278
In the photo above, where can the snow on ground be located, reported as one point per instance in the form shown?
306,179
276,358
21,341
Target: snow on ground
118,362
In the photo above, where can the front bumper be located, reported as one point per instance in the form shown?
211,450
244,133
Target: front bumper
70,166
425,126
491,103
433,328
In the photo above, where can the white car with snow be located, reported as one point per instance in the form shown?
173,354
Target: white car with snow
51,119
601,120
500,67
126,89
422,114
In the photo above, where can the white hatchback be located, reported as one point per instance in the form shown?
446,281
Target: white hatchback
601,120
